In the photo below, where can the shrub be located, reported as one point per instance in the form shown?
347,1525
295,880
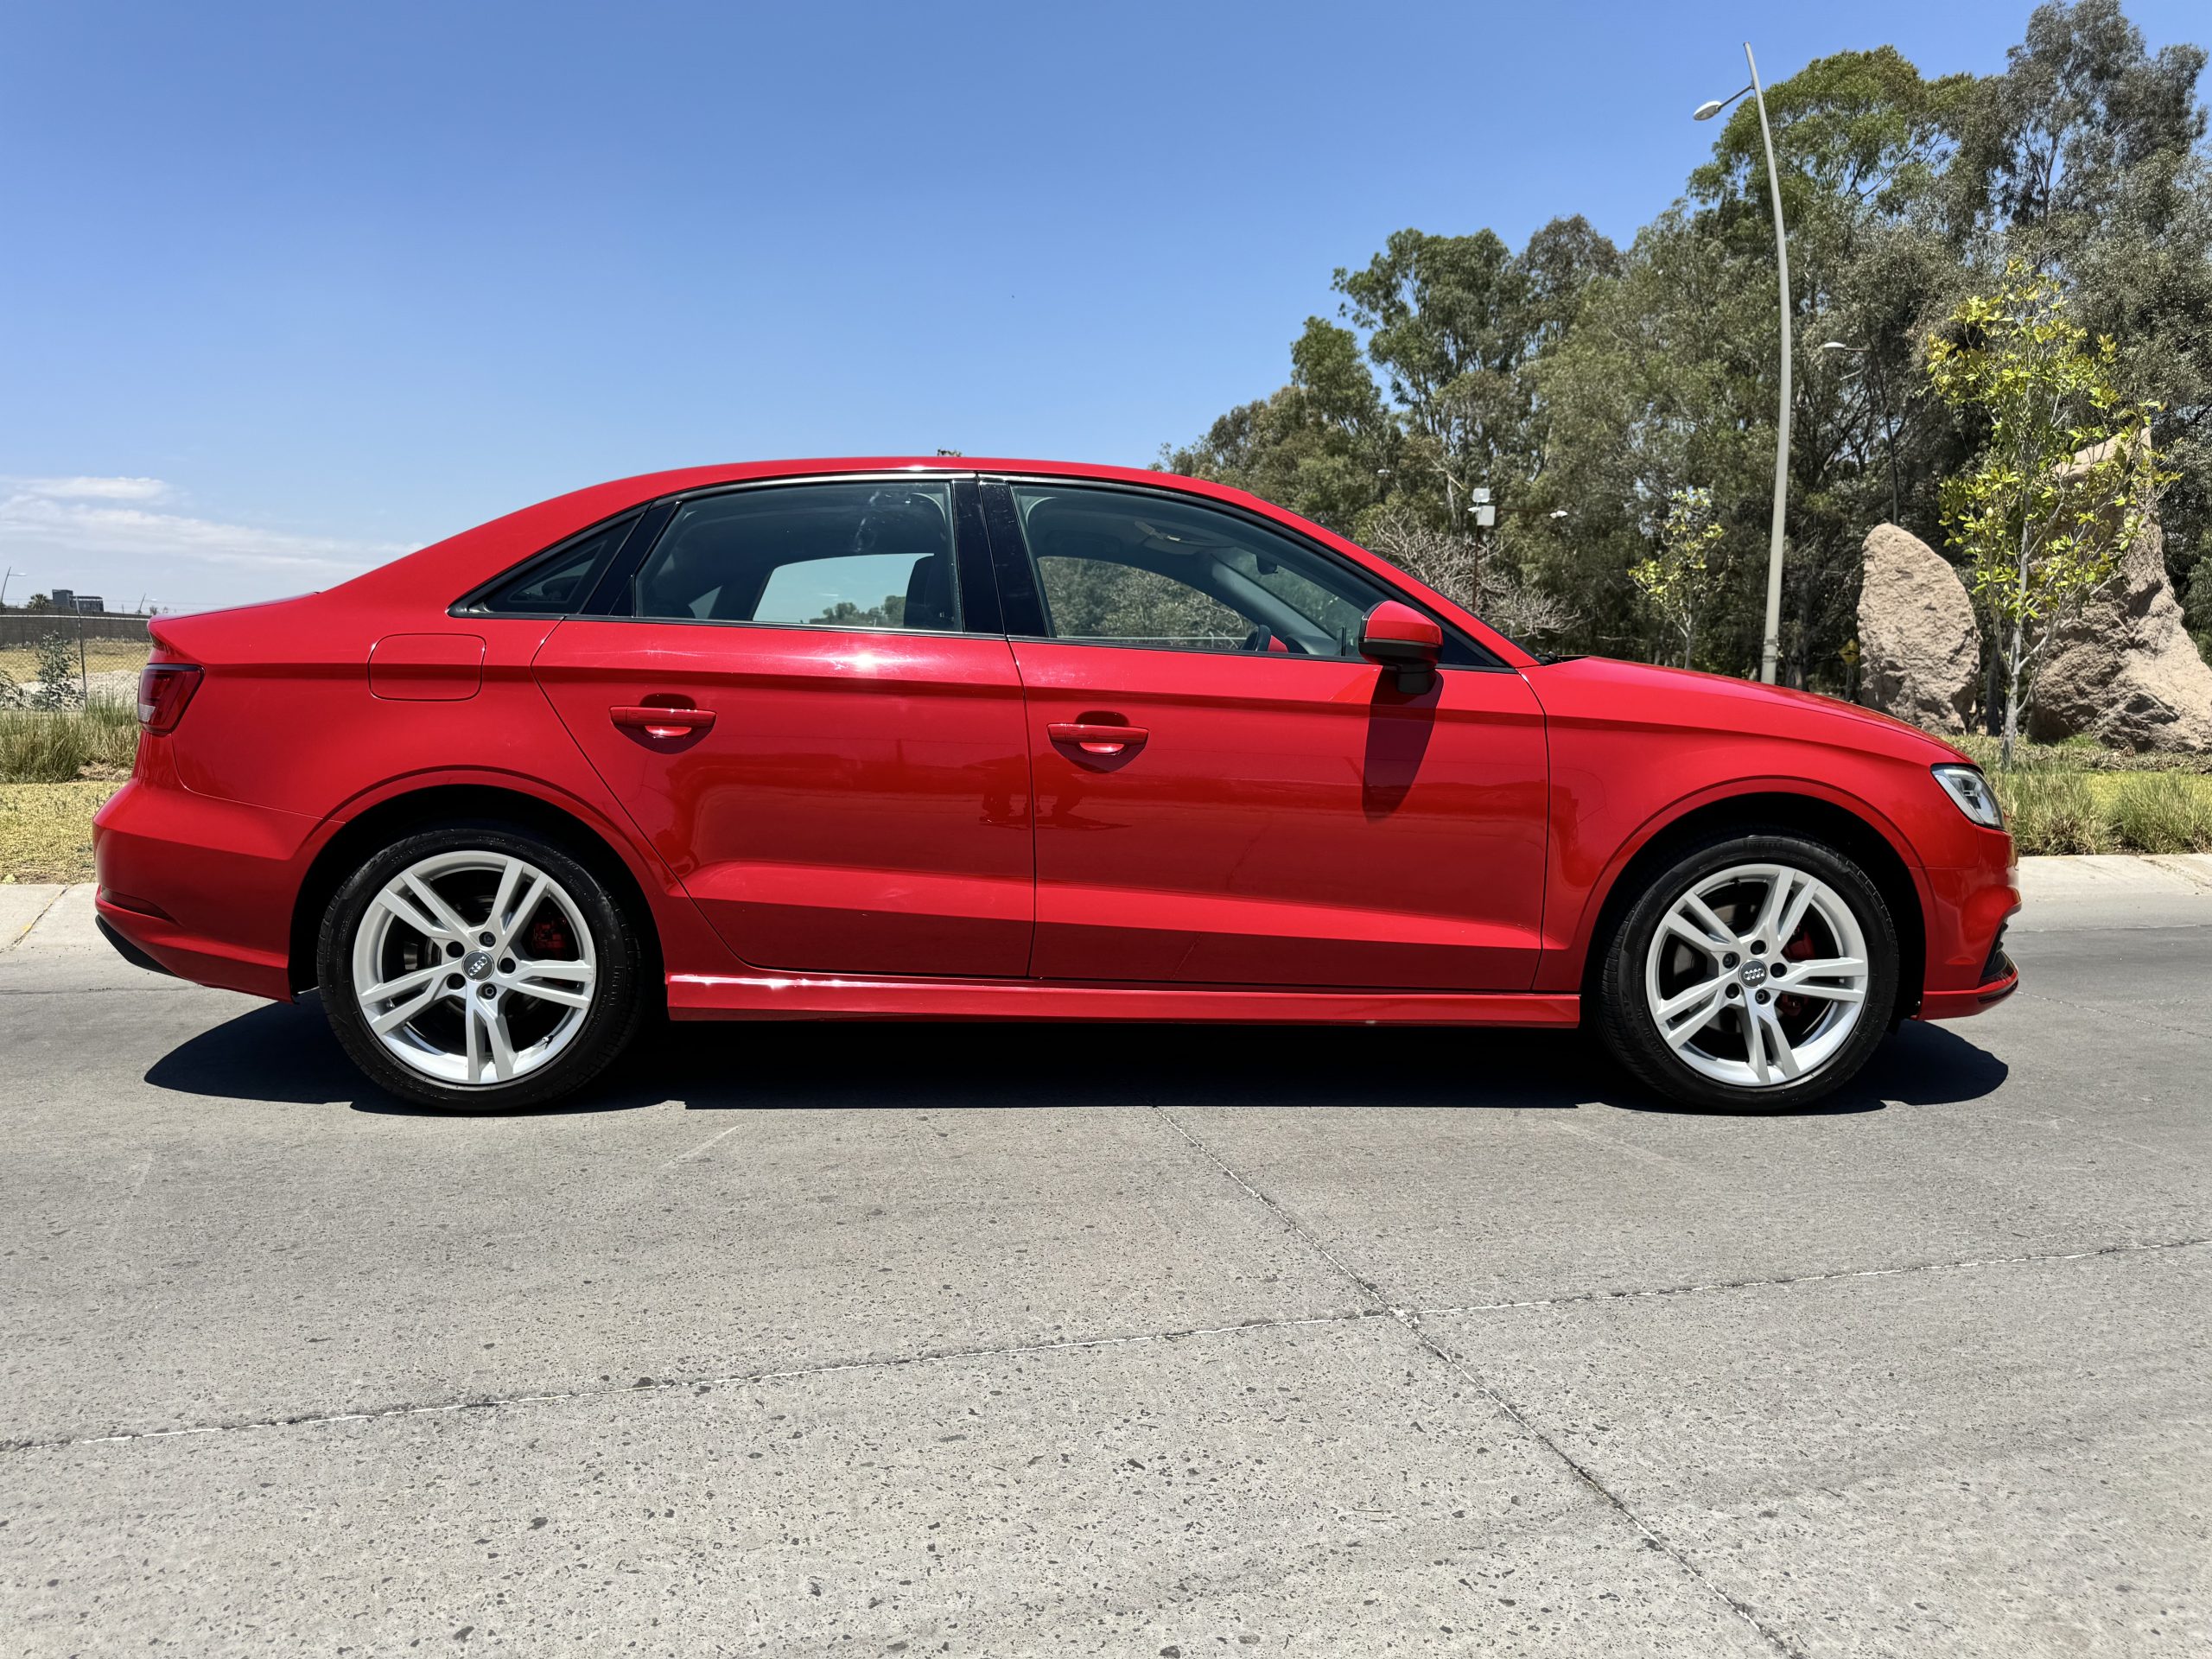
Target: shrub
57,672
2162,812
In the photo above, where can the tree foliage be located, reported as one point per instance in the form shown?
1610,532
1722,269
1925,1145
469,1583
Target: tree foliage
1587,385
1676,581
2067,474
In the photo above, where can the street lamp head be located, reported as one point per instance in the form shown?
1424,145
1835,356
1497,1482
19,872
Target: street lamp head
1713,107
1840,346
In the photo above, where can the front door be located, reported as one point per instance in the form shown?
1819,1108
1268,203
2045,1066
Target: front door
1226,792
811,712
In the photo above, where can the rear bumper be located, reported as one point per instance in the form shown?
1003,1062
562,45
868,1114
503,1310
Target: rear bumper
201,888
129,952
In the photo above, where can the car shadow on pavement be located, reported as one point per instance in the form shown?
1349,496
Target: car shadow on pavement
285,1054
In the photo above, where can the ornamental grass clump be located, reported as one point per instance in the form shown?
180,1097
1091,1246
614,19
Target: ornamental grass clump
2163,812
40,746
2054,812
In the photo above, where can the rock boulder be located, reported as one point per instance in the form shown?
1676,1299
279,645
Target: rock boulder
2125,669
1920,651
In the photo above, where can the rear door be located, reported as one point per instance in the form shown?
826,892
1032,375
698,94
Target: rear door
1227,793
808,707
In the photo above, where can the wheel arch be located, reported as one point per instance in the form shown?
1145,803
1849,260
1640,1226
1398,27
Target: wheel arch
1860,835
427,804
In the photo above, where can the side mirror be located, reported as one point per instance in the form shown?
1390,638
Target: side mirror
1399,637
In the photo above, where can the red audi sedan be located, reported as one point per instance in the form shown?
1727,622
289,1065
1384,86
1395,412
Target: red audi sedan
927,739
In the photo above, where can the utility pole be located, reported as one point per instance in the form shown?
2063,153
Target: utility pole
4,581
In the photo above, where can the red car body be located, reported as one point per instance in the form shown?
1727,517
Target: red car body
925,825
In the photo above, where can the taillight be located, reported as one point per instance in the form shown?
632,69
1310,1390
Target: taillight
164,688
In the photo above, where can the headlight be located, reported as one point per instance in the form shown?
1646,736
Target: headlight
1966,785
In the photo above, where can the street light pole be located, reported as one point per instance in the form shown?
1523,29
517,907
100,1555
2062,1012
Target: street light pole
1771,649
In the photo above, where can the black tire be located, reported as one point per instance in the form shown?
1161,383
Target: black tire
1631,1029
608,1026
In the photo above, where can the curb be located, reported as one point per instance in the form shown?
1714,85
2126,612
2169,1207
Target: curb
2116,876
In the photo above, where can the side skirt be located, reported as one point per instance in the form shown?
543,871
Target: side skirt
718,996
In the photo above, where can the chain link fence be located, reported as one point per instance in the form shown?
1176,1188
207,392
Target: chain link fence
67,661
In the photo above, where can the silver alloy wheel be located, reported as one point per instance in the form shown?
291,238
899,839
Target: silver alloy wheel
478,1001
1725,992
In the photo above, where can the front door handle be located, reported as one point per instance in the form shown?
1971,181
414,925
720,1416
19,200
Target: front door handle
663,722
1100,738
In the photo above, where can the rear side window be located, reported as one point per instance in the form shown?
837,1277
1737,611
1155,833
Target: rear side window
559,583
825,556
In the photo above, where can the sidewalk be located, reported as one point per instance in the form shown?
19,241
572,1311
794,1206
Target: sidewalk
40,916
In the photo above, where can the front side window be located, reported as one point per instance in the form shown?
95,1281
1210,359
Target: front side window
827,555
1144,570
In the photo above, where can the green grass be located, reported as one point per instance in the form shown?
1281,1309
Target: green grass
38,746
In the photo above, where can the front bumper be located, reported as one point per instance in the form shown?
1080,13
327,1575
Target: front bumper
1967,968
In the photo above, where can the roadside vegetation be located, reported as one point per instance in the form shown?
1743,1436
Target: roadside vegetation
46,829
57,768
39,745
2076,798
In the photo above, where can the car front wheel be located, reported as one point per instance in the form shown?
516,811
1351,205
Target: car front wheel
478,969
1759,972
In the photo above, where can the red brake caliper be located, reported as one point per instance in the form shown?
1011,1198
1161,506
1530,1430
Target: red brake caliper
1800,948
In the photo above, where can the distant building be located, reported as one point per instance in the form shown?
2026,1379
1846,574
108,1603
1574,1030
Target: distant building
69,598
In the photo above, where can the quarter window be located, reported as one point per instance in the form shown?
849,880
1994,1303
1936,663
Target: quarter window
827,555
560,583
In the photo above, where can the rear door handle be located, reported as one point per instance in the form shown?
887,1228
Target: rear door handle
1097,737
663,722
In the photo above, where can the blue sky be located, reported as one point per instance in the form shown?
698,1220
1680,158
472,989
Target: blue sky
292,288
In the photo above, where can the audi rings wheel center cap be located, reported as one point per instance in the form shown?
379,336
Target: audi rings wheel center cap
1754,972
479,965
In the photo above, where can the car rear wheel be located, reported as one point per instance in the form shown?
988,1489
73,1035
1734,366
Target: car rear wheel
478,969
1757,971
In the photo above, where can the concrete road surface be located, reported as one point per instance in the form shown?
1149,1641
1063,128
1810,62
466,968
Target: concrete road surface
1139,1341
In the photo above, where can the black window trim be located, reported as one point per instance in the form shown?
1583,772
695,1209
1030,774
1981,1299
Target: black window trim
610,598
1022,593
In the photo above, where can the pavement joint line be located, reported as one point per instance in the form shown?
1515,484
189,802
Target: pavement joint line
2083,1007
1366,1286
1410,1320
2132,1248
11,944
694,1384
80,990
1490,1391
